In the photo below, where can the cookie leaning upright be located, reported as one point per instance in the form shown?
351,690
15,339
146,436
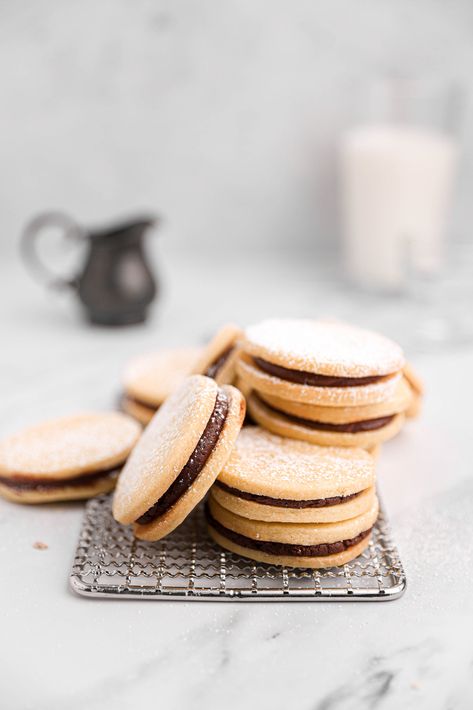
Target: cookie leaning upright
325,382
69,458
178,457
218,358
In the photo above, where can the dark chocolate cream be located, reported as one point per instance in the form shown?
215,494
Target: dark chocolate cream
194,465
285,548
33,483
217,364
286,502
301,377
350,428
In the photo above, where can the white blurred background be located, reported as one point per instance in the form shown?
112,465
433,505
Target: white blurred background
220,115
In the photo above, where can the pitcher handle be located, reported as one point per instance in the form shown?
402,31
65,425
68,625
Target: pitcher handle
29,252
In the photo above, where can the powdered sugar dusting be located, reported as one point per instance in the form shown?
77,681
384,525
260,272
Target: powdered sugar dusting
381,391
164,447
268,464
69,445
324,347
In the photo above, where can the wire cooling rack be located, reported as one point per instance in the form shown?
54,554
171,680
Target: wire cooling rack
110,563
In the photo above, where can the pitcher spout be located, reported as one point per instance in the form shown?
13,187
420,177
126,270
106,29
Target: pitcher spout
132,228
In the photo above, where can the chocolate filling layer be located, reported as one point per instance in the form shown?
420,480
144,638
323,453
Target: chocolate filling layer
287,502
301,377
217,365
285,548
30,483
350,428
195,464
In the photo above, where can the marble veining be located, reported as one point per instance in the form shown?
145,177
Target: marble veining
414,652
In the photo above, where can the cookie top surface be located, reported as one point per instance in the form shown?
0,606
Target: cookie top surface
323,347
150,378
165,447
69,446
266,464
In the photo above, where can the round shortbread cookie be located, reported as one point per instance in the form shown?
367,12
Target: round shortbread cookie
327,348
255,378
417,388
281,424
179,455
69,446
295,533
259,540
399,402
59,493
270,465
257,511
67,458
374,451
142,413
324,562
218,358
244,388
151,378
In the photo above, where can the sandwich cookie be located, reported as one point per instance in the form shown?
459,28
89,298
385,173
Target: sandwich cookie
149,379
66,459
417,388
178,457
273,479
320,362
364,426
313,545
397,404
218,358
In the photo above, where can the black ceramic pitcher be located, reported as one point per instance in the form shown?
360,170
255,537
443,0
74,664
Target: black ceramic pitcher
115,284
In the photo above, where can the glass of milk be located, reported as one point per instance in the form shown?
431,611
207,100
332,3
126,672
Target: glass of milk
397,174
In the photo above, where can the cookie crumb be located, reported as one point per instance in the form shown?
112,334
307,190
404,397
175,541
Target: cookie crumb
38,545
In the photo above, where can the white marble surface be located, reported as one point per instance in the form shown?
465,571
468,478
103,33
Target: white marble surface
61,651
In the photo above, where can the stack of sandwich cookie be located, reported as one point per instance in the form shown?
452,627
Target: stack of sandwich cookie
179,456
149,379
293,503
324,382
218,358
70,458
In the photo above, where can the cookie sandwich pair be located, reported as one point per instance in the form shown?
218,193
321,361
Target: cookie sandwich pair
178,457
293,503
324,382
149,379
271,499
69,458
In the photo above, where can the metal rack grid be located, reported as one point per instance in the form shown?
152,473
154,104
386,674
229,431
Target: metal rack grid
188,565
